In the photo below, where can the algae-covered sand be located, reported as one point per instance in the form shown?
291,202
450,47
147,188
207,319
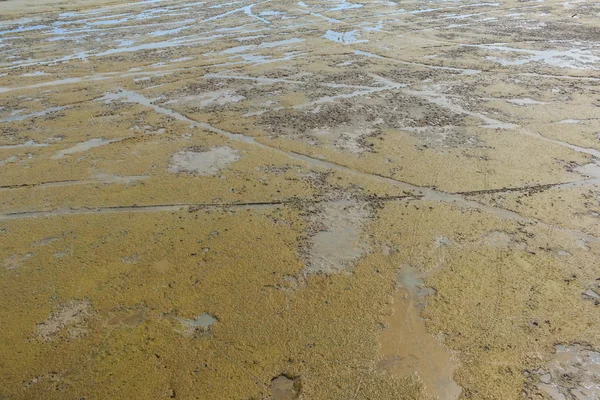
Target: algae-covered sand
299,200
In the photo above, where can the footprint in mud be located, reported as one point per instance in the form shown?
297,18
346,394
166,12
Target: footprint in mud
194,161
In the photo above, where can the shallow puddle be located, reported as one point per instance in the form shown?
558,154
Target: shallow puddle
336,247
200,324
407,347
283,388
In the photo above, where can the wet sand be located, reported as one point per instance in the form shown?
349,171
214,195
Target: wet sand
299,200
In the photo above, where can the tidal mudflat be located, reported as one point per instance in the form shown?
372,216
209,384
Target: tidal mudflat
299,200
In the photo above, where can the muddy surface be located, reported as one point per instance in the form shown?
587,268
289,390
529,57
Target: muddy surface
284,388
70,316
571,374
336,244
200,162
407,347
316,200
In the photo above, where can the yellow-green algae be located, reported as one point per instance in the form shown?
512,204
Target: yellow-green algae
500,309
506,292
228,264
